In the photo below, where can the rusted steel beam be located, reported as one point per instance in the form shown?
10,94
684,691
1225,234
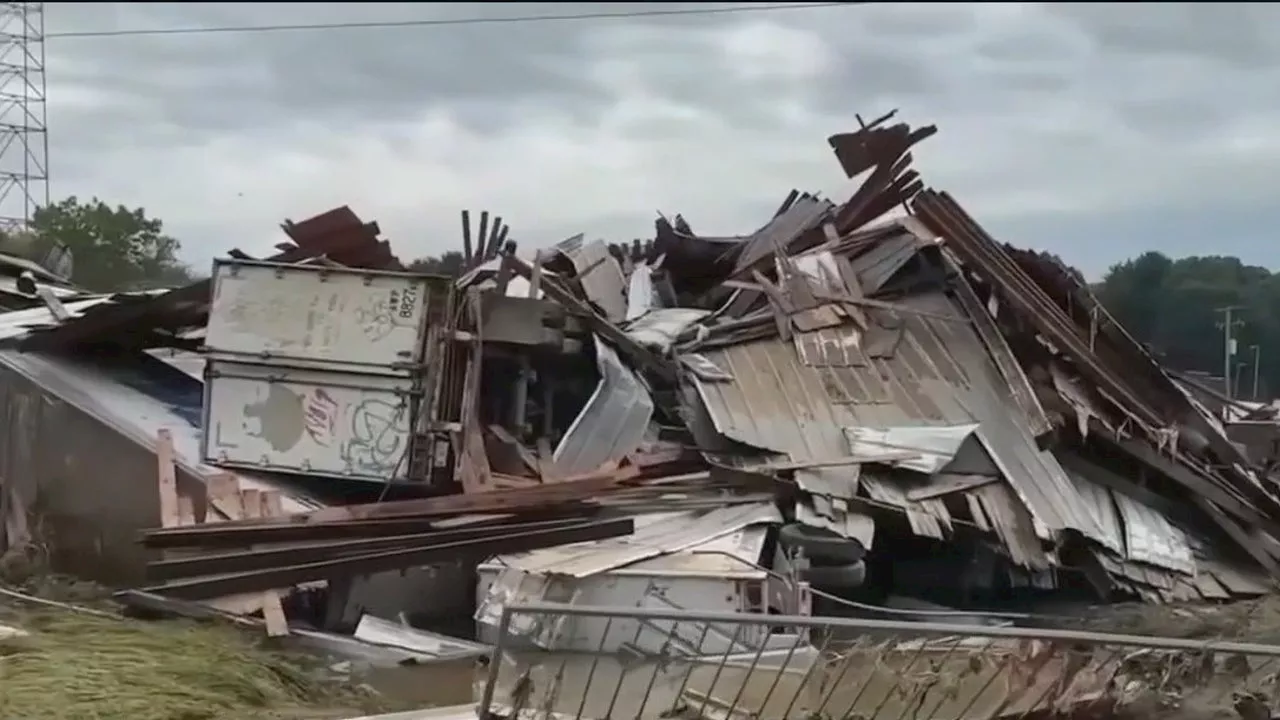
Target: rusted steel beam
299,549
257,580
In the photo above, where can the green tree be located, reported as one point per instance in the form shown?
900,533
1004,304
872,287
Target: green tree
1173,305
450,263
114,248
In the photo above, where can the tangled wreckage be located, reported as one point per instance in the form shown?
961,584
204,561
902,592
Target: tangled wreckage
873,406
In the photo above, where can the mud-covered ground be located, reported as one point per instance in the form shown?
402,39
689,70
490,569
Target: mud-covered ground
1255,621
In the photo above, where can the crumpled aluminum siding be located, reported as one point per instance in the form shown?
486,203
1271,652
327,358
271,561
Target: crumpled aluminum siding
613,422
935,445
600,275
940,374
659,328
669,534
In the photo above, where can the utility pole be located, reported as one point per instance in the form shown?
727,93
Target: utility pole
1228,325
1257,359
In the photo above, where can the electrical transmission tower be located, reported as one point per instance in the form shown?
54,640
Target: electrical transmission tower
24,136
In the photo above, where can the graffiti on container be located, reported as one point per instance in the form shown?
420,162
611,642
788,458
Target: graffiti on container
378,437
383,315
275,314
284,416
366,435
321,416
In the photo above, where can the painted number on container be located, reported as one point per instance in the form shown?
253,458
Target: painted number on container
404,302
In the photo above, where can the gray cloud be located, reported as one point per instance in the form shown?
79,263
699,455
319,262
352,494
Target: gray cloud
1096,131
1237,33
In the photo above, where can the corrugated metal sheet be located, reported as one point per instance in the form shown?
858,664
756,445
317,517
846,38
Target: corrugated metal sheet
1143,533
17,324
655,536
878,265
1152,539
995,508
934,447
1104,508
803,214
940,374
737,553
834,514
928,518
613,422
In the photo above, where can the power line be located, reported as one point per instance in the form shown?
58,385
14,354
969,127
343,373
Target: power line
441,22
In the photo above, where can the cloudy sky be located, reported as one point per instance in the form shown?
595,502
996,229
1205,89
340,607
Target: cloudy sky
1095,131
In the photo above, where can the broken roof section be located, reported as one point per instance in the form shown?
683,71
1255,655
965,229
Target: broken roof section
881,365
888,363
834,349
145,319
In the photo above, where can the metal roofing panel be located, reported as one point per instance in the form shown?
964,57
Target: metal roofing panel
733,553
927,518
1152,539
940,374
803,214
17,324
877,266
1099,498
653,537
935,446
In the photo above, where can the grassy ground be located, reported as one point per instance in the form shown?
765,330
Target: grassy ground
83,666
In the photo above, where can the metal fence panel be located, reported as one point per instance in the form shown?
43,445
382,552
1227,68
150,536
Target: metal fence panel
729,666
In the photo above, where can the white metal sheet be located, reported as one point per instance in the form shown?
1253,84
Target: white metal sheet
319,317
1152,539
669,533
307,421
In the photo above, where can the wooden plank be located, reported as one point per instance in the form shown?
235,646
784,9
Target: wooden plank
272,504
225,487
168,480
223,490
186,510
259,504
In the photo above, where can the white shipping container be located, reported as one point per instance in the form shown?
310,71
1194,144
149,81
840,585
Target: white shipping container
316,316
307,421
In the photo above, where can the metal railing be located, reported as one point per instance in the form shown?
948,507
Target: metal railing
730,666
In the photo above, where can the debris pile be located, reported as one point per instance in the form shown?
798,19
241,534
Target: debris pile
892,378
873,397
